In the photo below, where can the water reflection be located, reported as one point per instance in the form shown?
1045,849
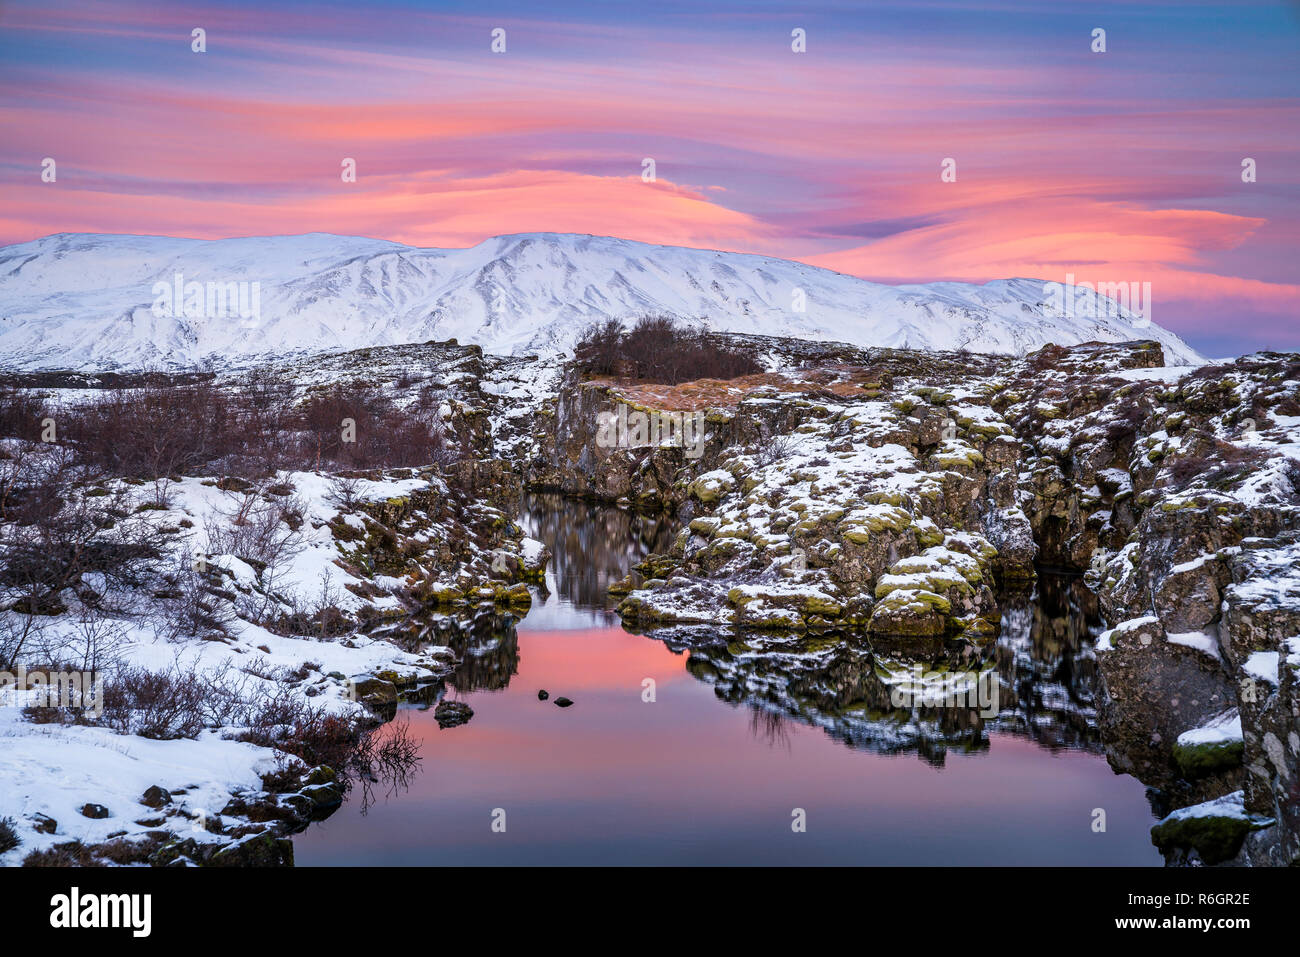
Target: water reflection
744,728
1041,672
592,547
1039,676
486,646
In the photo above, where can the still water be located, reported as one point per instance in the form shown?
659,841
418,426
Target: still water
740,734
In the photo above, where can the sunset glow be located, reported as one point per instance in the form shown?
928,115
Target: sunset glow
1122,166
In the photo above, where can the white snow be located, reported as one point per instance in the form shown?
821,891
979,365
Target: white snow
1230,805
86,300
1104,640
1223,729
1197,640
1170,374
1262,665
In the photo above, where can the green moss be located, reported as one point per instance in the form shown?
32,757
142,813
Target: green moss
1216,838
739,598
1202,760
818,605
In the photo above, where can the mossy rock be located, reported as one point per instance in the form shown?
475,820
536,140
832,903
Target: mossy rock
1206,758
817,605
1215,837
705,525
260,850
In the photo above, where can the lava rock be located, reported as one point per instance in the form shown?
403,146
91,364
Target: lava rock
256,850
372,690
156,797
325,798
449,714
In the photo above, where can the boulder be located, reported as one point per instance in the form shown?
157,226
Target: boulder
451,714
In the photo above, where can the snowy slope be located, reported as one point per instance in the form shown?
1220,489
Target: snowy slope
86,300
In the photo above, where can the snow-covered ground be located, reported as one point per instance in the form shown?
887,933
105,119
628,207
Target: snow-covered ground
52,770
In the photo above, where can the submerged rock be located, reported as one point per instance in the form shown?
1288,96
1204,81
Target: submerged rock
450,714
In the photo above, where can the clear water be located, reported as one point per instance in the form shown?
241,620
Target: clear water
738,737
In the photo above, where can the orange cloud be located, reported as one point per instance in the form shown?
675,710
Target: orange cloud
426,210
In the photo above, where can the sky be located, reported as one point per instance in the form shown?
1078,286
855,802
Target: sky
1115,166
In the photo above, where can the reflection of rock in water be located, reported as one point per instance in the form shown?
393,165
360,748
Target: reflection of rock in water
841,686
486,646
1047,664
592,545
1037,680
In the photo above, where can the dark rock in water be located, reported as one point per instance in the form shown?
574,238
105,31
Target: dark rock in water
449,714
372,690
1214,830
562,702
543,695
94,811
325,798
156,797
322,774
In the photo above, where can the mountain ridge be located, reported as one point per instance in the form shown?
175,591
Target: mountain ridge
86,300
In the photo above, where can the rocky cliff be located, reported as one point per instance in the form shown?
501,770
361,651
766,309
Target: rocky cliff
896,494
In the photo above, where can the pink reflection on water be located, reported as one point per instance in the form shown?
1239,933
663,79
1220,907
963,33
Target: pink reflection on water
686,779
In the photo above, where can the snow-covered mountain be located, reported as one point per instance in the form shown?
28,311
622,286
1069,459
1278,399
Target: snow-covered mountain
101,301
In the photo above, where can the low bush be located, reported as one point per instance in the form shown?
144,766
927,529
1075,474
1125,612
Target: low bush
659,349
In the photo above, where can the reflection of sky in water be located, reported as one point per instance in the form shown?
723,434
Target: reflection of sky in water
592,547
694,779
553,611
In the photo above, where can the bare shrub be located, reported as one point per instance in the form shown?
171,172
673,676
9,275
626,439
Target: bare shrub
9,838
21,412
282,720
1220,462
60,541
158,428
190,602
355,427
321,617
175,702
155,430
659,349
263,530
776,449
344,492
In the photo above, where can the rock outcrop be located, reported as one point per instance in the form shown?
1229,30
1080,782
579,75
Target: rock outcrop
895,494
